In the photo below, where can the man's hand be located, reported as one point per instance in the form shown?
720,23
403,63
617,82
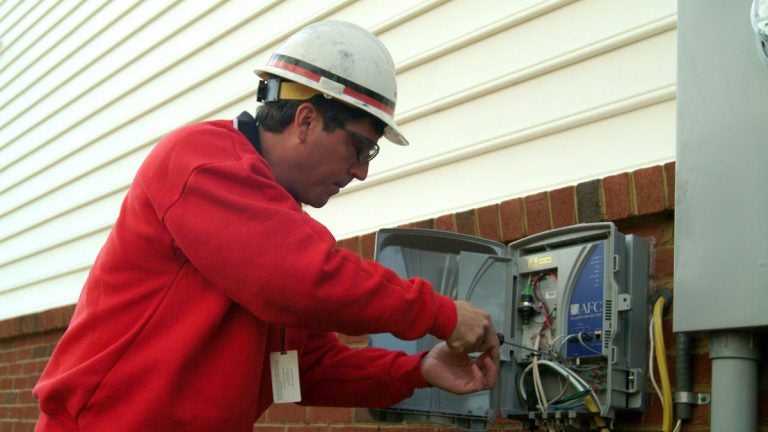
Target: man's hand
457,372
474,330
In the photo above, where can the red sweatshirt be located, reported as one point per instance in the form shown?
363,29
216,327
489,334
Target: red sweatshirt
208,259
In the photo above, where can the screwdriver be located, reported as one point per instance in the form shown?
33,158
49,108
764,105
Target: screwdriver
502,342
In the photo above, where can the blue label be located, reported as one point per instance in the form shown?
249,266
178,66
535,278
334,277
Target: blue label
585,311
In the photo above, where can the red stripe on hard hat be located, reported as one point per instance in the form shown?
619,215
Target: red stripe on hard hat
370,101
295,69
315,76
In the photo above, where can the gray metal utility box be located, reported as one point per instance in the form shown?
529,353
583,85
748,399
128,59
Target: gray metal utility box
572,300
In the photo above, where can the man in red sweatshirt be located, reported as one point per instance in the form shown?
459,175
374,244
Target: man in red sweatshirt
214,283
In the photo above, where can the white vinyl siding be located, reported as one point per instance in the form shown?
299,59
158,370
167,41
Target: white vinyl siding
498,98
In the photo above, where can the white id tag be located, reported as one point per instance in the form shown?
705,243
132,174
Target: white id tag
285,376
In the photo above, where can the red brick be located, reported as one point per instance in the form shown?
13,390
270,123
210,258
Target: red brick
285,413
653,411
368,245
589,205
512,222
361,415
563,205
7,356
536,213
42,351
424,224
488,222
701,371
649,190
28,324
31,412
25,353
669,179
32,381
359,427
329,415
29,368
24,426
267,428
49,338
25,398
617,197
19,383
445,223
466,222
349,243
664,263
307,429
9,328
701,414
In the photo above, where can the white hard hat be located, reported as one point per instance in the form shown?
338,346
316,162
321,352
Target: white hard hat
343,61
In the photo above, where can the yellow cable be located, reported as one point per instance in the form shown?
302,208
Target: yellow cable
661,361
593,408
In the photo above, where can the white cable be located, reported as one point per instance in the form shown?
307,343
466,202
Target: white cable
537,383
650,365
577,381
584,344
678,426
563,343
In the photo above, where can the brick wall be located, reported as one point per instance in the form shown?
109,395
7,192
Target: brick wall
639,202
26,343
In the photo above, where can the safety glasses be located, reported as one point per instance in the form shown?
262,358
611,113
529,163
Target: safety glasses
366,149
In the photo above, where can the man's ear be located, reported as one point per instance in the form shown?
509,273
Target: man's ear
305,115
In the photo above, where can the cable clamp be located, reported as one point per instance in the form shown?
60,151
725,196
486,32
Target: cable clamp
692,398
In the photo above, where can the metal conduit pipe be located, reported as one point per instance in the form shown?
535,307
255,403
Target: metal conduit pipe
735,358
683,373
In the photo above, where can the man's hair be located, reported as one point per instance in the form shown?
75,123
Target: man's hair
276,116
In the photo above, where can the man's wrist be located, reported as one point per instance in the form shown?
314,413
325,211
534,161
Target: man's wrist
446,317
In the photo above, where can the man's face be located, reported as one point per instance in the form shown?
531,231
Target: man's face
330,160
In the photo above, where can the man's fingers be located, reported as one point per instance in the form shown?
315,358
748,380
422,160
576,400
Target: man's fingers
455,345
491,340
488,363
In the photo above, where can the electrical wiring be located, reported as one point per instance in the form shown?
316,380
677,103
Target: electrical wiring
559,398
591,401
528,286
572,406
537,383
678,426
650,363
545,313
581,341
557,345
661,359
573,396
533,289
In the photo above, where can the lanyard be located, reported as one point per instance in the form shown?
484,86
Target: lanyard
282,340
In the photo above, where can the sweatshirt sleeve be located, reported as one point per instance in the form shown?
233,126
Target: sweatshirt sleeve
248,236
333,374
